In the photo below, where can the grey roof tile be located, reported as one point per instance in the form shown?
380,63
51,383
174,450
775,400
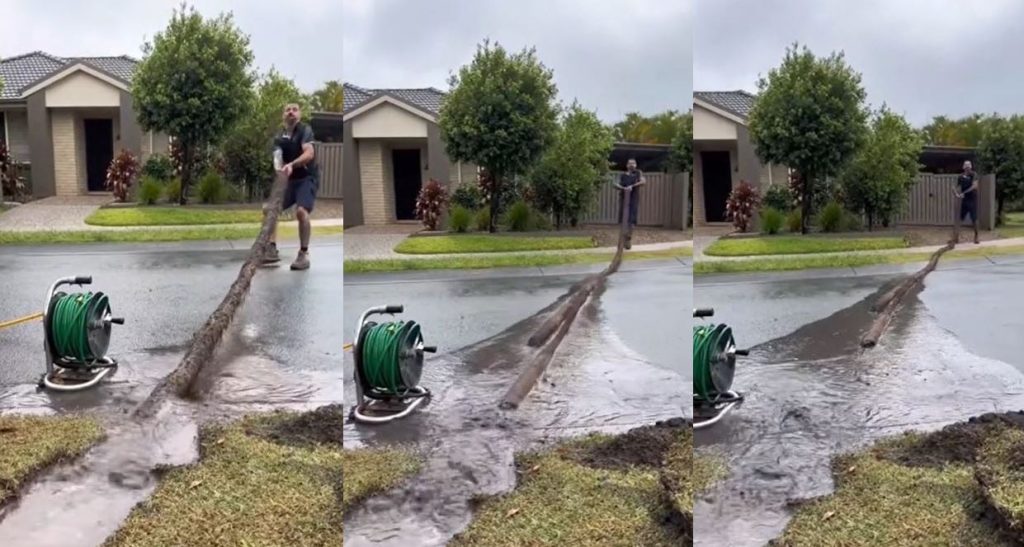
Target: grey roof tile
736,102
21,72
428,99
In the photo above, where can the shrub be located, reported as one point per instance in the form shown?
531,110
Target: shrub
852,222
539,221
771,220
459,218
122,173
212,188
518,217
743,201
778,197
430,203
831,217
794,221
11,182
149,190
159,168
483,219
467,196
172,191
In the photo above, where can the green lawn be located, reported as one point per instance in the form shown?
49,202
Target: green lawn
152,235
1013,226
29,444
502,261
428,245
845,261
171,216
789,245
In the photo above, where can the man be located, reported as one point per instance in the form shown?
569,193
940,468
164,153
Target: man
629,184
967,192
294,149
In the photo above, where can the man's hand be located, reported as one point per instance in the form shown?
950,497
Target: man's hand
287,170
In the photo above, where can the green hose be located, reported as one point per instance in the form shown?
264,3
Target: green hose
70,325
382,350
709,342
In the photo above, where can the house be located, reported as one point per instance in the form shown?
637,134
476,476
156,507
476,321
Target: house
723,154
66,118
392,146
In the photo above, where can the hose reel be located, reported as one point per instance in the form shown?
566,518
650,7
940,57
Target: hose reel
389,360
714,365
77,329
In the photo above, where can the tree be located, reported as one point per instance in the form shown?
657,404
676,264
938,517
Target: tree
879,177
966,131
194,83
248,147
681,154
329,98
660,128
500,114
810,116
1001,151
572,170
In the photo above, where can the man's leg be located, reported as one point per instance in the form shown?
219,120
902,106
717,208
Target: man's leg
974,219
305,197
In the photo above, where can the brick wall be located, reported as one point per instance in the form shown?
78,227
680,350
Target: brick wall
65,153
371,172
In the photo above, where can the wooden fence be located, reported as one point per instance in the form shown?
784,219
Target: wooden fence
663,201
328,157
931,202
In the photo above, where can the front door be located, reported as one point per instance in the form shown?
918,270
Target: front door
99,152
717,174
408,180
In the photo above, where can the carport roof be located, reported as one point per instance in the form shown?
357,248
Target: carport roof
737,102
427,99
24,71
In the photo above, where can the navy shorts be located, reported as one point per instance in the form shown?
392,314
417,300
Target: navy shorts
301,192
969,207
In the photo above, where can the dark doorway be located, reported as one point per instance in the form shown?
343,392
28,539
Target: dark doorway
717,173
406,168
99,152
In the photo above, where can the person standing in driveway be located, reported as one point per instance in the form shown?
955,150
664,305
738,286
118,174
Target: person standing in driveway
967,191
294,148
632,179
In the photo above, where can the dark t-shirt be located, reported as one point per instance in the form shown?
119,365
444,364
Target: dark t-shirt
291,147
965,180
629,179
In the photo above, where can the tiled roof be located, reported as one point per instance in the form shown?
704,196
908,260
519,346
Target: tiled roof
736,102
428,99
21,72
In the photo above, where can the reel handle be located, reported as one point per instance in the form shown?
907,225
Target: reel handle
117,320
83,280
743,352
430,349
703,312
394,308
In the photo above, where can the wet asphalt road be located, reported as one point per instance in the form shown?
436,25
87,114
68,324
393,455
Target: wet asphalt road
811,393
166,291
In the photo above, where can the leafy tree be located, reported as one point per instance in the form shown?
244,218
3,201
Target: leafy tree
878,179
1001,151
194,83
572,170
809,115
681,154
660,128
967,131
329,98
500,114
248,147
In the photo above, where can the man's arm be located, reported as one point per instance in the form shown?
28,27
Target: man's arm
974,184
308,153
641,181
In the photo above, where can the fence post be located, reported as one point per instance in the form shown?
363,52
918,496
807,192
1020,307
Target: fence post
987,206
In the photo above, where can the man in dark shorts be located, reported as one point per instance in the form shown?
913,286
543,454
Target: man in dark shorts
633,179
967,192
294,148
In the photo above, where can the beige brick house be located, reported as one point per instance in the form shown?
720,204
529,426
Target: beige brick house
392,146
66,118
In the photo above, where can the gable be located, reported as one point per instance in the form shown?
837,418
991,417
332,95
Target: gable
80,89
387,120
711,126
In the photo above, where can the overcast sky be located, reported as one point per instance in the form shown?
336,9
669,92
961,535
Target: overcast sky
615,57
922,57
294,37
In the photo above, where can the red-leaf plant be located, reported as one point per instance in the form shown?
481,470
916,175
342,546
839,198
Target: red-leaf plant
743,203
430,204
121,175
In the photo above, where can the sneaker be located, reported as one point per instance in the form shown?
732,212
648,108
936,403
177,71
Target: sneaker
629,243
272,255
301,261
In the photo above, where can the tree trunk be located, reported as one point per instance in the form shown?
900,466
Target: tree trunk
871,221
186,173
805,214
495,202
999,211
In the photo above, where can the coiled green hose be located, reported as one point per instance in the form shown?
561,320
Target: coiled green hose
70,325
382,354
709,343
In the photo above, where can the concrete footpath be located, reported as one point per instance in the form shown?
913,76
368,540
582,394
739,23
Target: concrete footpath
704,243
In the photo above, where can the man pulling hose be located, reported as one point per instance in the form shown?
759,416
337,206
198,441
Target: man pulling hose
294,157
967,192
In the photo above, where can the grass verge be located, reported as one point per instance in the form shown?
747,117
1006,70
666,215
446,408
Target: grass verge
842,261
171,216
503,261
154,235
789,245
595,490
921,489
457,244
30,444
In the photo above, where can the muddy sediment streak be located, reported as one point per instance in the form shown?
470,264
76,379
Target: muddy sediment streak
180,382
551,332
